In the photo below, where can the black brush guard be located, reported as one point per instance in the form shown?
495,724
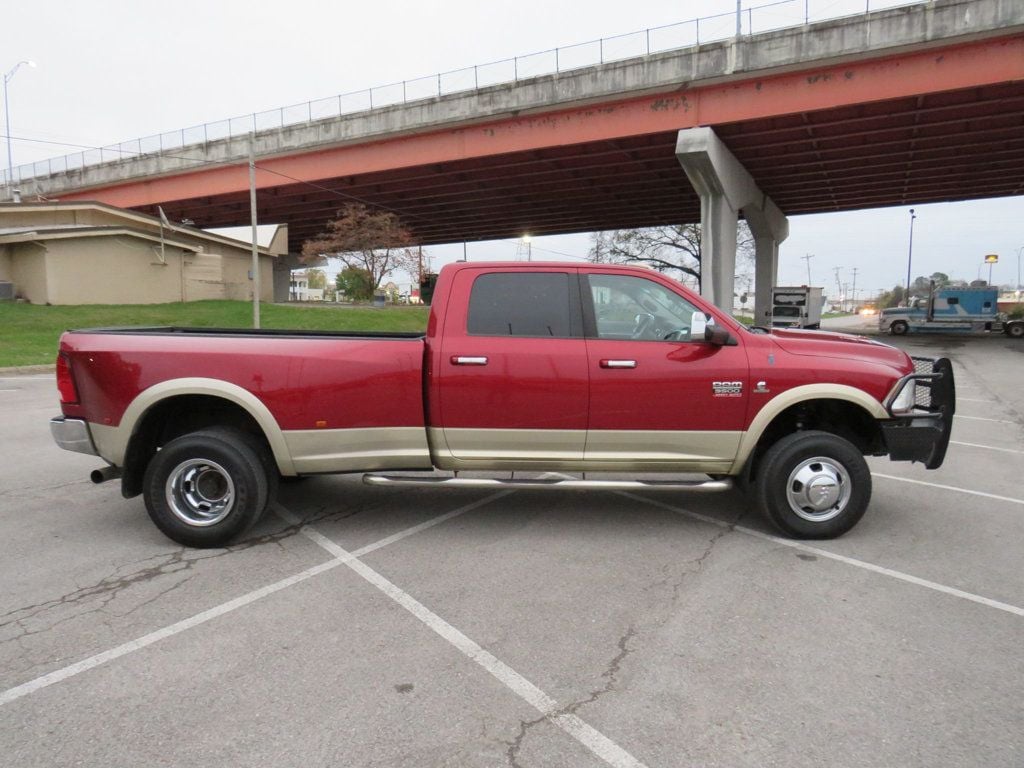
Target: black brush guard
923,435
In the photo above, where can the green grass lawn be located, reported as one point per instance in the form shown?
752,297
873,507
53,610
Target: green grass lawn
29,333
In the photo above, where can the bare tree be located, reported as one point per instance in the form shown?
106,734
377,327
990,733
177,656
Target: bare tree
671,248
373,241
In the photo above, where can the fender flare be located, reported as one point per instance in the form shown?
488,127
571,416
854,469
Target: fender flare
802,394
113,441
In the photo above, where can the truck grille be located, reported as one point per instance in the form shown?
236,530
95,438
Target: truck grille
923,365
938,392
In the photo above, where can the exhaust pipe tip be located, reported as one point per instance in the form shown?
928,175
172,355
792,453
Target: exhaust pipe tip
106,473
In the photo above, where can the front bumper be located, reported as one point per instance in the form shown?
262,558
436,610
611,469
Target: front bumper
923,435
72,435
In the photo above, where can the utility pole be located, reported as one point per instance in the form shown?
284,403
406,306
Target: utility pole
808,258
854,284
910,255
255,248
839,290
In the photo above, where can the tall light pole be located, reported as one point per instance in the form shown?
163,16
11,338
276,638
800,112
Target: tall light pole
910,254
7,119
1018,270
528,241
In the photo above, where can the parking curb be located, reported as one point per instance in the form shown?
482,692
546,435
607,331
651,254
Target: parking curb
50,368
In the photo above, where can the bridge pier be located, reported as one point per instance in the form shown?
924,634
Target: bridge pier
726,189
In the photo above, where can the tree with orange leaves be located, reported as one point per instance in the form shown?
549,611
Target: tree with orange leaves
374,241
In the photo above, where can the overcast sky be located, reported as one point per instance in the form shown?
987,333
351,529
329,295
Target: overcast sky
113,70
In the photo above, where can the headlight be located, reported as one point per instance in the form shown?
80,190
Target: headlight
905,402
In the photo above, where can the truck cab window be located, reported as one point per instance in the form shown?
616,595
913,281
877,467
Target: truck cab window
522,304
627,307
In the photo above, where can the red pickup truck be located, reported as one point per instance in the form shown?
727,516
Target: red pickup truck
533,368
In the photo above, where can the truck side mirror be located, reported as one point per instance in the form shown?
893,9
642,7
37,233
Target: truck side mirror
719,337
703,327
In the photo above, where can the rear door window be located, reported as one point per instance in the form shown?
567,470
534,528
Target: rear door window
536,304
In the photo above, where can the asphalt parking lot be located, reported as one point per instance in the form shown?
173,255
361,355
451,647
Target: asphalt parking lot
362,626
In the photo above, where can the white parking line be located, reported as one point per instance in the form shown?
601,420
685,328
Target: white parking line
979,418
51,378
1010,499
599,744
12,694
972,400
906,577
10,390
987,447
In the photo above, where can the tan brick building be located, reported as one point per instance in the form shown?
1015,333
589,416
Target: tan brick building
91,253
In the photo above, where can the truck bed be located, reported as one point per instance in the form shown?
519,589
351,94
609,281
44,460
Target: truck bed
308,380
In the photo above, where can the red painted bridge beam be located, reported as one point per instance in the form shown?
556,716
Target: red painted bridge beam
934,70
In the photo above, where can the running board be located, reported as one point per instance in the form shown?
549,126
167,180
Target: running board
703,486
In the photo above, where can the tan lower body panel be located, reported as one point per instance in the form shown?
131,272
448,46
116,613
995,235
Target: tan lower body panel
356,450
603,451
109,443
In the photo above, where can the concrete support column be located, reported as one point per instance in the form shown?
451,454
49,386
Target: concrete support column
766,269
718,250
726,188
769,227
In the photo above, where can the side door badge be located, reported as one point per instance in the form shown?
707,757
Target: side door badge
727,388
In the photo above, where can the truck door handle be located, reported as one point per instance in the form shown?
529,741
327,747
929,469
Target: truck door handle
460,360
618,363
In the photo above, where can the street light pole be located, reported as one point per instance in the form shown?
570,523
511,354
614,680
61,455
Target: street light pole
7,120
910,254
1018,268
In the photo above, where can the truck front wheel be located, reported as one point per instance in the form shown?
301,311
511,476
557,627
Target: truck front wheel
205,488
899,328
813,485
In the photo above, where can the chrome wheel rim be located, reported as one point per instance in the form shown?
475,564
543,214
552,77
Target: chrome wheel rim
818,489
200,492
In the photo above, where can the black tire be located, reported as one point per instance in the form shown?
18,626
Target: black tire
1015,330
206,488
813,485
266,456
899,328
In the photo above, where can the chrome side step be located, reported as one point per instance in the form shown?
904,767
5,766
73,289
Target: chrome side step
702,486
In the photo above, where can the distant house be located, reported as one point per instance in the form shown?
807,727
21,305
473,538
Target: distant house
92,253
299,290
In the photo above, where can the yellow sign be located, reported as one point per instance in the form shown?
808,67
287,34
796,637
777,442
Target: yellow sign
992,258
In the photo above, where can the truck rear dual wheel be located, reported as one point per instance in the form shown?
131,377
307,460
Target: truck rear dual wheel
813,485
1015,330
206,488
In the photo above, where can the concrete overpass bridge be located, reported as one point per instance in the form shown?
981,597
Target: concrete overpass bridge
922,103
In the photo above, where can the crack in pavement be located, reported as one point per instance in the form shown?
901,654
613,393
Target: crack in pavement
110,587
694,567
31,489
611,675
